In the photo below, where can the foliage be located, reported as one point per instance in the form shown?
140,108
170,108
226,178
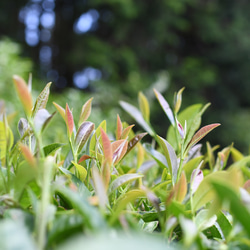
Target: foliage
103,188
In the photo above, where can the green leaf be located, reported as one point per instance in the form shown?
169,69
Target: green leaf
170,156
157,156
192,118
92,218
85,112
119,181
81,170
15,235
96,136
144,106
52,147
178,100
194,121
42,99
83,134
136,114
60,109
149,227
3,141
240,212
205,192
191,165
165,106
203,220
224,224
124,200
63,226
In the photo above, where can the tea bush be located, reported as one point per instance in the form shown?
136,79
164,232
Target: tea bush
99,189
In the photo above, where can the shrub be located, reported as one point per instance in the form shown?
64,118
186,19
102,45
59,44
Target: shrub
100,188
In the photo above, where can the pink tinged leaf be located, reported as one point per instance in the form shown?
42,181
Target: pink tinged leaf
69,120
28,155
165,106
119,149
126,131
107,148
85,112
201,133
118,128
132,143
196,179
180,129
84,158
60,109
42,99
180,190
23,94
83,134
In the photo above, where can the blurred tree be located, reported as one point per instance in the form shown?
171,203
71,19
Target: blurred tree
127,45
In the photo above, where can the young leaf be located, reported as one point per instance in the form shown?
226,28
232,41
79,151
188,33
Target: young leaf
136,114
119,149
23,94
132,143
170,156
107,148
3,141
100,189
118,128
83,134
60,109
85,112
41,116
84,158
69,120
42,99
196,179
123,201
201,133
51,148
119,181
92,218
180,189
28,155
144,106
165,106
126,131
81,171
95,138
178,101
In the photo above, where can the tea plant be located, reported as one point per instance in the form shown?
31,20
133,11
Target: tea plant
102,188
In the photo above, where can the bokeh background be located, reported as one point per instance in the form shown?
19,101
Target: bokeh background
111,49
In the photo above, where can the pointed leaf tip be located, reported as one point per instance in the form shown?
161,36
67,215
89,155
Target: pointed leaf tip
202,133
23,94
69,120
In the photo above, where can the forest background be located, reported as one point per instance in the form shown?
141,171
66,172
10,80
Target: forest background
112,49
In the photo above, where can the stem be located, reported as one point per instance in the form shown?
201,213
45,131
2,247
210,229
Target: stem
181,161
42,213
